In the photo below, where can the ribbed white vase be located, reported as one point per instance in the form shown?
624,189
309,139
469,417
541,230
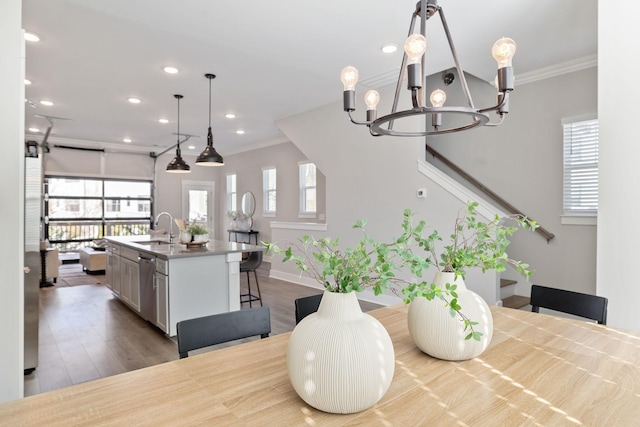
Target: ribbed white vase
438,334
340,360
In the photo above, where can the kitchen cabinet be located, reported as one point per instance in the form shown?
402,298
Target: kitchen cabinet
129,278
162,295
113,269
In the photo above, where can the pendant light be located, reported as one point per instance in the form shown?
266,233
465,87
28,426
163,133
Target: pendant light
209,156
177,165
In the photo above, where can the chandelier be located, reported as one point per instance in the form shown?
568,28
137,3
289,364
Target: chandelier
413,62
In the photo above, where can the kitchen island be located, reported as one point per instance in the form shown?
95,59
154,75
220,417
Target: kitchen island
167,282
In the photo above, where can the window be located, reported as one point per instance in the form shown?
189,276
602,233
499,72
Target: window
231,193
79,210
307,190
269,192
580,189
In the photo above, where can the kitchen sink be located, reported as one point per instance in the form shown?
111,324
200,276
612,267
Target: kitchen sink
153,242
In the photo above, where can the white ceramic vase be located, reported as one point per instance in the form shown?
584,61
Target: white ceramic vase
340,360
199,238
438,334
243,224
185,236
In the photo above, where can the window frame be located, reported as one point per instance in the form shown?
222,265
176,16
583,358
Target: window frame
304,212
267,190
573,213
232,192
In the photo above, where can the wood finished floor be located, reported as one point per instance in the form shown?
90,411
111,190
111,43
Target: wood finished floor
86,333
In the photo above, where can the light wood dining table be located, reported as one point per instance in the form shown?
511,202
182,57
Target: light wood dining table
539,370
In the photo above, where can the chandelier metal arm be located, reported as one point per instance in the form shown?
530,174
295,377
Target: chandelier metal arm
503,101
415,98
478,119
454,53
356,122
498,123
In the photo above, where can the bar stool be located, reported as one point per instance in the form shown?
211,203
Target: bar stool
251,264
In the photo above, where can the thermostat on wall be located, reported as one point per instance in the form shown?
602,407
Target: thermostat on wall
421,193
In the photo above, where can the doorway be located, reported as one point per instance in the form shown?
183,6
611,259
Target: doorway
198,203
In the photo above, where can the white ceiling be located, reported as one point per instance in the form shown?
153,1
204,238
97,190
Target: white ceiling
272,59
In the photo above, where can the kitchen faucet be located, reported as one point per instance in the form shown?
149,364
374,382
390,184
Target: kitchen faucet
155,224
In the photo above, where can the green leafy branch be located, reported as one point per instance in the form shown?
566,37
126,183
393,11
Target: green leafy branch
368,265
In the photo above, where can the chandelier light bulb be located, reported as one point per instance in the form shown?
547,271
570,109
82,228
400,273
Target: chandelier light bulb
372,98
503,51
438,97
349,77
415,46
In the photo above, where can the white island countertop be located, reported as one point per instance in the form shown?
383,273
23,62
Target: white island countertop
160,246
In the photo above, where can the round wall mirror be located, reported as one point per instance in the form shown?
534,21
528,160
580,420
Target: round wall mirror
248,204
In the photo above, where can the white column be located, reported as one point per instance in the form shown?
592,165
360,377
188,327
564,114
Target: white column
619,204
12,206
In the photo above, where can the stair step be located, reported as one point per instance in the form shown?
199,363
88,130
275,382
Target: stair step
515,301
507,282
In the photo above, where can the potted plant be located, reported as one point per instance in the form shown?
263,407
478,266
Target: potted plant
473,243
339,350
199,232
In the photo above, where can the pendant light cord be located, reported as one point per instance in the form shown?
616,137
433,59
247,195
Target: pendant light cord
178,126
209,102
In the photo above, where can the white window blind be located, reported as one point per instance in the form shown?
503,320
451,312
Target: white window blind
580,167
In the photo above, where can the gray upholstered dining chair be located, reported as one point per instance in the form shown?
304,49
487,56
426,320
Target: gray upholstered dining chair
220,328
584,305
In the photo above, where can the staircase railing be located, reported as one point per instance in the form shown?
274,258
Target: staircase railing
502,202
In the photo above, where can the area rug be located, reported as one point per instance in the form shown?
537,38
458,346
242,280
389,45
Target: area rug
73,275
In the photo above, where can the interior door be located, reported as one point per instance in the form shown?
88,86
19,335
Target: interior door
197,203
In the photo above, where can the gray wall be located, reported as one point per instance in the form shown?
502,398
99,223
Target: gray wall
373,178
248,168
522,162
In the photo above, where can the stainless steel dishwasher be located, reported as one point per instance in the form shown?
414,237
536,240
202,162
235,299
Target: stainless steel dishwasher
147,268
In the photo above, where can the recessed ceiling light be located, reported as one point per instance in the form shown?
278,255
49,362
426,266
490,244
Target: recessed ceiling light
240,132
47,103
34,130
163,121
27,81
134,100
191,147
30,37
389,48
230,116
170,70
127,140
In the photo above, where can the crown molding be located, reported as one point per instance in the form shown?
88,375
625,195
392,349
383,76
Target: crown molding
557,70
257,145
